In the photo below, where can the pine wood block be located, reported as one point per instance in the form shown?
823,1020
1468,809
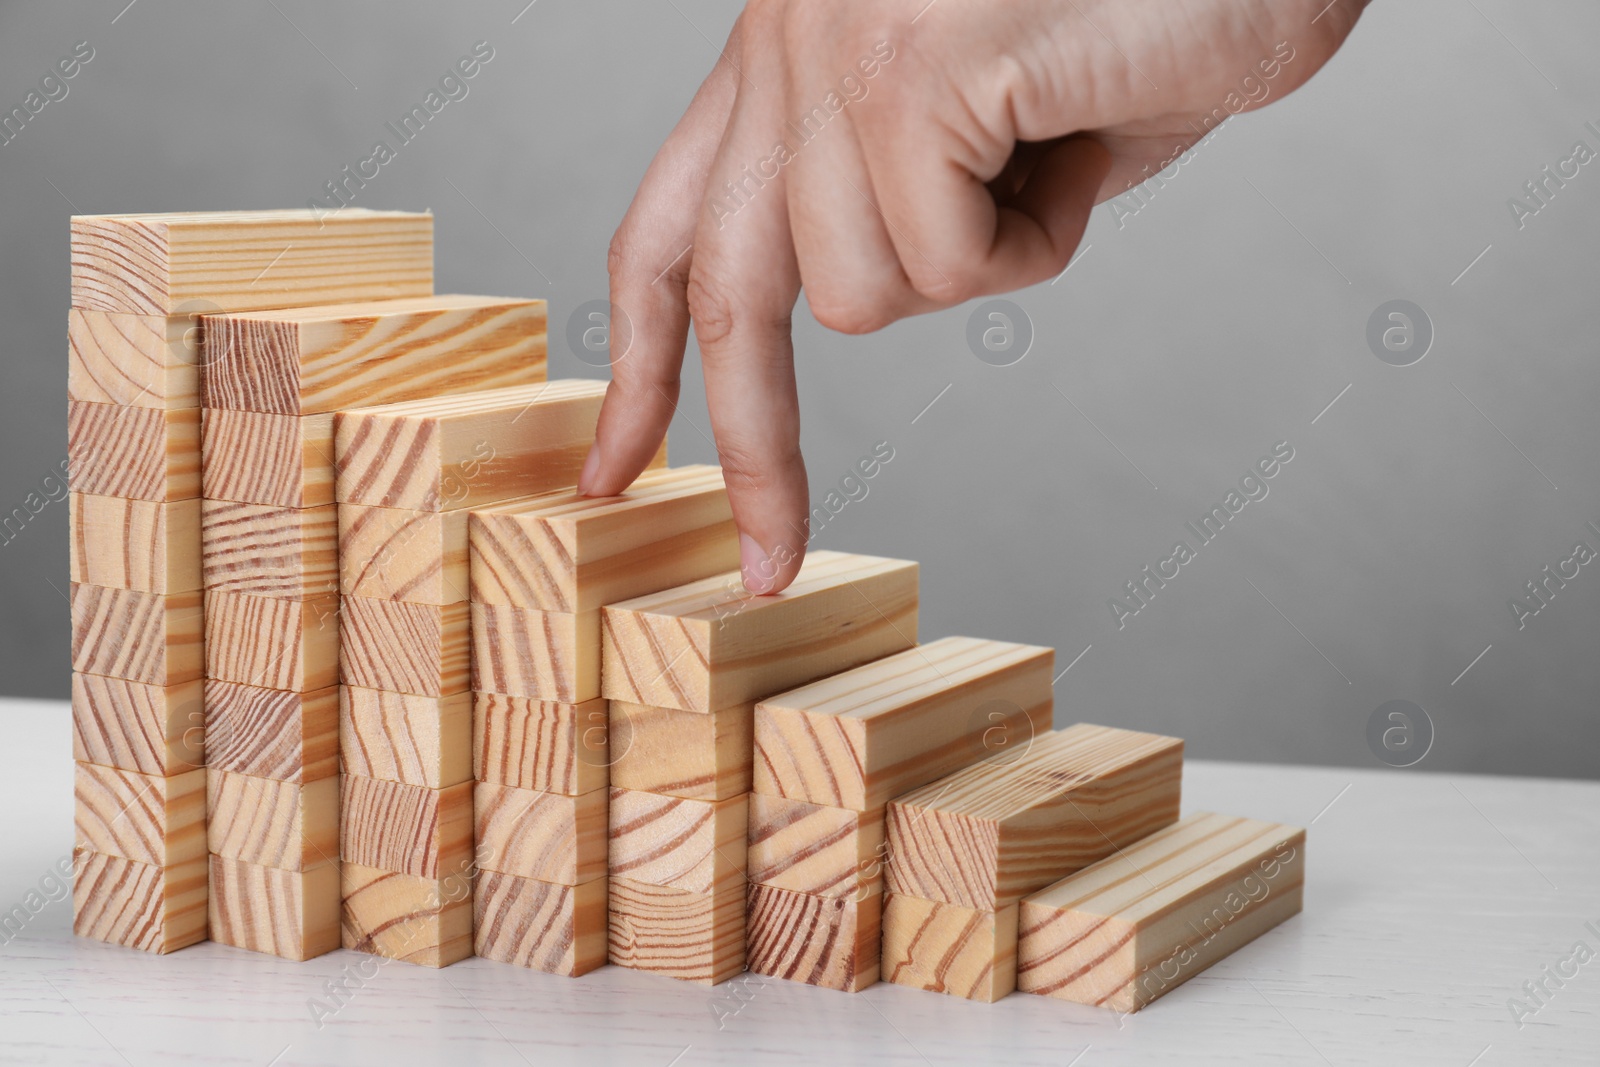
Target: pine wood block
141,637
272,733
164,264
134,452
676,753
252,457
271,643
946,948
287,553
322,359
831,942
293,914
1144,920
403,738
986,836
149,361
548,836
860,738
138,905
696,845
539,745
406,828
272,824
695,937
816,850
574,554
543,926
142,545
141,817
421,649
710,644
425,921
545,655
135,726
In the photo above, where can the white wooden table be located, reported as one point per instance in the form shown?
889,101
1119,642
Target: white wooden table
1430,900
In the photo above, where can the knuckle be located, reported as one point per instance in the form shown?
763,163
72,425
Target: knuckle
719,308
748,466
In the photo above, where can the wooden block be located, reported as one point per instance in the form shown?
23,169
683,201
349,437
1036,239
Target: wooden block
681,753
287,553
696,937
150,547
272,824
283,461
830,942
543,926
141,817
402,738
162,264
134,726
1144,920
710,644
816,850
139,453
148,361
293,914
946,948
141,637
696,845
425,921
272,643
421,649
575,554
986,836
406,828
322,359
548,836
545,655
860,738
534,744
271,733
123,902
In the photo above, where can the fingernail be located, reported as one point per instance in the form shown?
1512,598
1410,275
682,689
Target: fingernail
759,573
591,467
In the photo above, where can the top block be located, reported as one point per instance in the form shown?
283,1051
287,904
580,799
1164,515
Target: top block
191,263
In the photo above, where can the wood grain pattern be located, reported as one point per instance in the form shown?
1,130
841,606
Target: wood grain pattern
403,738
538,745
988,835
548,836
575,554
831,942
134,726
162,264
137,905
140,453
946,948
272,824
283,461
543,926
406,828
421,649
141,637
698,845
864,736
271,733
544,655
425,921
699,756
816,850
695,937
292,914
287,553
276,644
313,360
1144,920
710,644
142,545
141,817
148,361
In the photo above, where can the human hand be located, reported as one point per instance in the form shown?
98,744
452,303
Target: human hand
894,157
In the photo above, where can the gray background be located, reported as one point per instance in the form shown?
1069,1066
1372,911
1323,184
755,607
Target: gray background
1221,319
